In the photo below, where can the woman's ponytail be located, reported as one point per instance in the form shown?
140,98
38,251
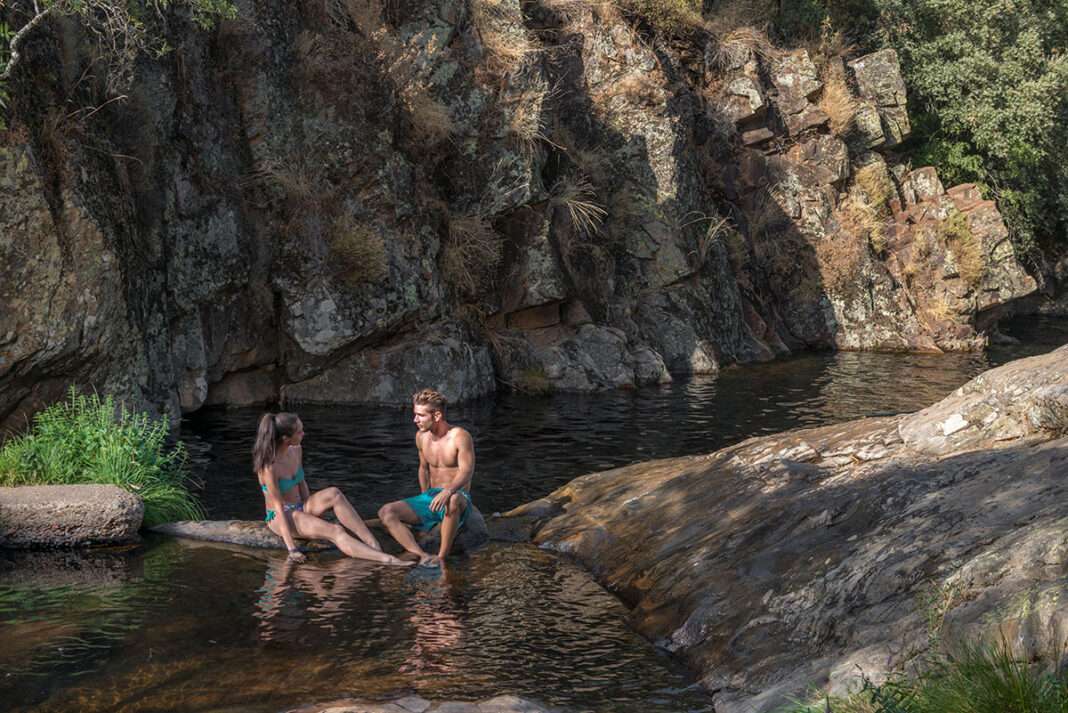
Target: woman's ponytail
266,438
273,428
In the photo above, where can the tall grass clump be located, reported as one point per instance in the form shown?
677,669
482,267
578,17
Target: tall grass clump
976,678
87,439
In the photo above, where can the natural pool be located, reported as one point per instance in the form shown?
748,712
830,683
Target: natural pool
185,627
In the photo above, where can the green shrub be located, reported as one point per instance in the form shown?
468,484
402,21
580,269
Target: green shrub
87,440
977,678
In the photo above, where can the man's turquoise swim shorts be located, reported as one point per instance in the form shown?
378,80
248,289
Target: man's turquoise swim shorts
420,504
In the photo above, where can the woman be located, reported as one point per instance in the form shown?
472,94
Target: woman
291,508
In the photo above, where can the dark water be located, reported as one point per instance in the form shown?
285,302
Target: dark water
178,627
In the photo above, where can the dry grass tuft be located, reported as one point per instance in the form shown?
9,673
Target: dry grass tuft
967,249
296,183
877,186
577,195
666,17
740,45
432,123
836,99
360,250
471,254
866,210
841,259
504,39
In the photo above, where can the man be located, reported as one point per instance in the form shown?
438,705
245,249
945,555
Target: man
446,464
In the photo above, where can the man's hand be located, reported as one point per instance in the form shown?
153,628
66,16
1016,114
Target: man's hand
441,501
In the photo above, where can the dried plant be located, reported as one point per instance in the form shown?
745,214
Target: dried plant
967,249
577,195
740,45
841,259
503,38
296,183
360,250
836,99
471,254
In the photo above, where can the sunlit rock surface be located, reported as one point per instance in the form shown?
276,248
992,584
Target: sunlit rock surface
812,557
47,516
337,203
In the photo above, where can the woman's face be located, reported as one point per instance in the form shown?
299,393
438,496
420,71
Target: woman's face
298,434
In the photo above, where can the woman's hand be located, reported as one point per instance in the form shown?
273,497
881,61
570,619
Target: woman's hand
296,555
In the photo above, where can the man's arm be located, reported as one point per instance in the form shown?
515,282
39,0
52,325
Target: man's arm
424,467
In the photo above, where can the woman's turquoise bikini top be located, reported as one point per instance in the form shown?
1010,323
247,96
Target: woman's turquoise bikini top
287,484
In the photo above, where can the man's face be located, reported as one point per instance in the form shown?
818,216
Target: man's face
424,418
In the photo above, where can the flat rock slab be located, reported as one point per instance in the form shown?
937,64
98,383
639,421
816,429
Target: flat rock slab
48,516
416,704
255,533
248,533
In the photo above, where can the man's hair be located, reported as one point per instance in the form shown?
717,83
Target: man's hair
430,398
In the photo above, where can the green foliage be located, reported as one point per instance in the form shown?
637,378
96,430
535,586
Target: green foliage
87,440
977,678
122,30
988,93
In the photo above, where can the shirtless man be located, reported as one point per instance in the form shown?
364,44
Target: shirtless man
446,464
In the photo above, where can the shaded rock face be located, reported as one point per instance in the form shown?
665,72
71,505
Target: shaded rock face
807,558
49,516
331,202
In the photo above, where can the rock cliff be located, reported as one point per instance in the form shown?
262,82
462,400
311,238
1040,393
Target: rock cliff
338,201
809,558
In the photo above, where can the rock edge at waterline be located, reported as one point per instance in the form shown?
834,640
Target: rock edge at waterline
45,516
253,533
416,704
804,559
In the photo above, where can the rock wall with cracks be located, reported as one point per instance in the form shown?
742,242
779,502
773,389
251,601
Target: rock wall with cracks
340,201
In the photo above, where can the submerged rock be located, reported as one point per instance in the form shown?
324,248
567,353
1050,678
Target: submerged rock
809,558
417,704
68,516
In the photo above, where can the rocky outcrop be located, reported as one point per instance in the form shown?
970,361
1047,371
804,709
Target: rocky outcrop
812,557
417,704
253,533
464,195
45,516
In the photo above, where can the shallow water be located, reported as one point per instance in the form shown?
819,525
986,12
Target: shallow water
177,626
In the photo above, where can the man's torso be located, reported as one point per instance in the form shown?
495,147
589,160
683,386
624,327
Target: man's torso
442,455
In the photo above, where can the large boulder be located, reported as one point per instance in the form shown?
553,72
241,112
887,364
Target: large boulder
48,516
813,557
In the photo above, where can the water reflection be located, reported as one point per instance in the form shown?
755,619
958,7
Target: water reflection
180,626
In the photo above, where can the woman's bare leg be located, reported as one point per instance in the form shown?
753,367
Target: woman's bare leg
312,527
334,499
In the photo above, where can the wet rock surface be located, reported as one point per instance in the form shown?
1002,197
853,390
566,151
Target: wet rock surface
814,556
50,516
417,704
254,533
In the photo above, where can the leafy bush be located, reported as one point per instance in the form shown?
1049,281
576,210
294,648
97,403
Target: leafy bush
86,439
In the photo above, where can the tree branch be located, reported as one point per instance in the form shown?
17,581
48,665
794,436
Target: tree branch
19,36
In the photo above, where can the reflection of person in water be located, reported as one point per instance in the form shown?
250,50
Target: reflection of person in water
294,593
292,509
437,621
